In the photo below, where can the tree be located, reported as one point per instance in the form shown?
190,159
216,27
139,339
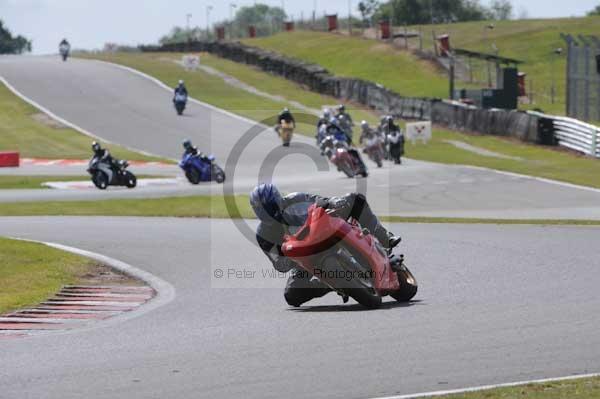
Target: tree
595,11
501,9
265,19
414,12
367,9
12,45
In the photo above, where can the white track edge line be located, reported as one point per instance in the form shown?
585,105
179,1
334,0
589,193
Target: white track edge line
65,122
487,387
169,89
165,292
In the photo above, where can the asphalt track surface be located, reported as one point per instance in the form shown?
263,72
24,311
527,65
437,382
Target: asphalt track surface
496,304
122,107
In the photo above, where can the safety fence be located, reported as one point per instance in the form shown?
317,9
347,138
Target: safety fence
527,126
574,134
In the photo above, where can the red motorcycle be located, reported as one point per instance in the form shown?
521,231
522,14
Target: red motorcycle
347,162
374,149
349,260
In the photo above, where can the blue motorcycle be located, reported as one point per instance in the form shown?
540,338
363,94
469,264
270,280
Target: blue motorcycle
200,168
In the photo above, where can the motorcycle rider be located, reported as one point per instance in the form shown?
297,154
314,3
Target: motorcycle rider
322,124
395,140
341,111
181,89
366,131
285,115
104,156
277,214
190,149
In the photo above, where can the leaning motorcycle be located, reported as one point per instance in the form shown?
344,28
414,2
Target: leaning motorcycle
375,150
349,260
180,102
105,174
339,154
201,168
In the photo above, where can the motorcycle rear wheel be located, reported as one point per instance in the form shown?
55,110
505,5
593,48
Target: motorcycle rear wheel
218,174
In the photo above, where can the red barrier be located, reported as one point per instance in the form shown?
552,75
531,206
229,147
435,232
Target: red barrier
332,22
220,33
384,26
289,26
252,31
9,159
522,87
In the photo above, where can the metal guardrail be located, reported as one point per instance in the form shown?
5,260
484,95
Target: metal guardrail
575,134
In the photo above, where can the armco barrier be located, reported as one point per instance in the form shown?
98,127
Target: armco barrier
575,134
9,159
453,115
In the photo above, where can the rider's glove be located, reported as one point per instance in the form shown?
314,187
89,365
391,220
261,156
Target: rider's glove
284,264
338,203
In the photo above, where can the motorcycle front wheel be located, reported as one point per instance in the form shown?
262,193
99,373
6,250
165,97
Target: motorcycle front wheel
408,285
218,174
100,180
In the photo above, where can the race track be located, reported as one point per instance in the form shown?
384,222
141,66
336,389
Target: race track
496,304
123,107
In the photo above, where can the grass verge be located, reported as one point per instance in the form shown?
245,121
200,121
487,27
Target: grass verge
23,182
35,182
23,128
30,273
194,206
216,207
410,76
583,388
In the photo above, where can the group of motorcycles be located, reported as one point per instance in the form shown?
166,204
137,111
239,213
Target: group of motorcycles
334,137
108,172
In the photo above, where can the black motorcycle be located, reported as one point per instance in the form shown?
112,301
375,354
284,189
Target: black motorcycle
105,173
180,102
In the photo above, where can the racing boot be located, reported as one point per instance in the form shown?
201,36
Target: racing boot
386,238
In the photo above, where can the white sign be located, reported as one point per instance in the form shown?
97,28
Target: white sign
191,62
418,131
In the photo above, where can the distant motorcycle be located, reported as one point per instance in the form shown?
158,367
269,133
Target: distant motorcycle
286,132
349,260
374,148
346,126
346,162
199,168
180,102
64,50
106,174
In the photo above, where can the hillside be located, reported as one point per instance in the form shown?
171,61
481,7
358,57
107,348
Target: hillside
532,41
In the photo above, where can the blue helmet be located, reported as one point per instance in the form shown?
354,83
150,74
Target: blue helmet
266,201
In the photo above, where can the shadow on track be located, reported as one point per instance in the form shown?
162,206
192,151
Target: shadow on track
355,307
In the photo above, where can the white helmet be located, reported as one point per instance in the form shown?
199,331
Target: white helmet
180,82
364,124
